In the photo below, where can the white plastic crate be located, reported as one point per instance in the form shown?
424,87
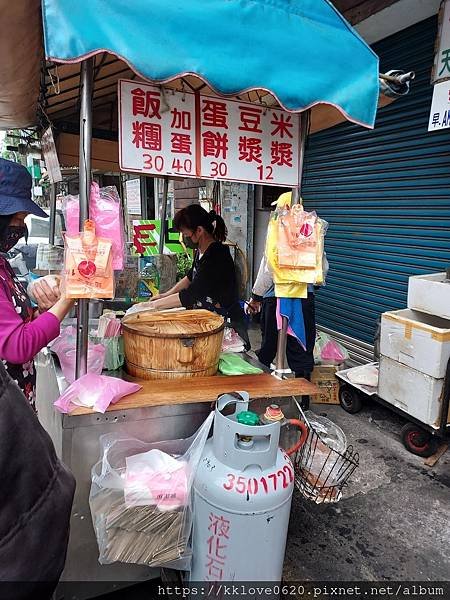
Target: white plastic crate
417,340
430,294
413,392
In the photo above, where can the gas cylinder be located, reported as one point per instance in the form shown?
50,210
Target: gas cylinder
242,498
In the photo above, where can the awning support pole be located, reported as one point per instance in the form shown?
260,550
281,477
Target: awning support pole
52,229
87,70
281,366
163,215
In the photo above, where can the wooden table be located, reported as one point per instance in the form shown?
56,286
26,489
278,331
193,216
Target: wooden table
207,389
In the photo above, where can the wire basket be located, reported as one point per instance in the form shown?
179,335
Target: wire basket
321,472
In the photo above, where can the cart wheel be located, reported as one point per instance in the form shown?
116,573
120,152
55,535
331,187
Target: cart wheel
350,400
417,440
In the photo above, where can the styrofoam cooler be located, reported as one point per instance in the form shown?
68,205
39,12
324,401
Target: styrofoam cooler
415,393
430,294
416,340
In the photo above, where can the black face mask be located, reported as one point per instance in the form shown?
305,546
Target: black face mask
187,241
11,235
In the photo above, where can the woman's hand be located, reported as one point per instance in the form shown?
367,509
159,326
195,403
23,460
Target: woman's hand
45,296
62,307
253,307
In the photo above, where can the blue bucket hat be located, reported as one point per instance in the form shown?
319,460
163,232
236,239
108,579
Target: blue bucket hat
15,190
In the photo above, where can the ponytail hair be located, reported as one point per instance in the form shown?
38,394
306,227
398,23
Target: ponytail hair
194,216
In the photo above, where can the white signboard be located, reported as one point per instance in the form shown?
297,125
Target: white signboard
156,130
440,107
50,156
441,69
133,193
248,143
186,135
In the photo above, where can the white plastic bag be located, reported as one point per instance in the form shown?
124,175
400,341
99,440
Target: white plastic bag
155,478
364,375
142,513
322,465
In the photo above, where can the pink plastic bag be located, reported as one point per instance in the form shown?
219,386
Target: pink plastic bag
333,352
65,348
105,210
94,391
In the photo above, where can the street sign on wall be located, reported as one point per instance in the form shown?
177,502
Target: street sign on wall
181,134
440,107
133,195
441,67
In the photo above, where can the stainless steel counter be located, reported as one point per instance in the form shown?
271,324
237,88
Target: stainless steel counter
76,440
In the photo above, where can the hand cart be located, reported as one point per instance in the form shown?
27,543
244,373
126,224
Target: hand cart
418,437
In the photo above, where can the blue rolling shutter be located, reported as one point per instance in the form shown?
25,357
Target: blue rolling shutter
386,195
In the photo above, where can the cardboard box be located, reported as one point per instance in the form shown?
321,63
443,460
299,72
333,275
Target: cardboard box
324,377
417,340
413,392
430,294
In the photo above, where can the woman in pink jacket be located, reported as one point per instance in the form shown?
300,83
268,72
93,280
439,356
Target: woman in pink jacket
24,330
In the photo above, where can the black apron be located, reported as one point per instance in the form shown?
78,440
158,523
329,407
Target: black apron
233,313
24,375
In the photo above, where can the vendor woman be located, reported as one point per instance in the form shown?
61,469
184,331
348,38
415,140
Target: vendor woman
24,330
211,282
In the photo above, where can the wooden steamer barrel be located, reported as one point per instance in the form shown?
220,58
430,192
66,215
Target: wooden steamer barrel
172,345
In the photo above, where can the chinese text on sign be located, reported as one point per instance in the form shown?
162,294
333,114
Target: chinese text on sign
163,132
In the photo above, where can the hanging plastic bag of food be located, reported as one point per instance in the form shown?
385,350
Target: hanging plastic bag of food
105,209
298,234
88,271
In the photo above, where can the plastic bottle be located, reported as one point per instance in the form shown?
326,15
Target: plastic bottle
148,280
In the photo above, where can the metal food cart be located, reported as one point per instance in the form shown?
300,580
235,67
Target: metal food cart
264,69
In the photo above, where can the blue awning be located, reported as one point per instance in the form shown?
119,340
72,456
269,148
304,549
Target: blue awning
303,52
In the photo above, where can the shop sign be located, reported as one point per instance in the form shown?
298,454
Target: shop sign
441,68
181,134
440,107
146,235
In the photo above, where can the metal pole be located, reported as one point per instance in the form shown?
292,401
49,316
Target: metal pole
87,70
51,233
163,215
281,366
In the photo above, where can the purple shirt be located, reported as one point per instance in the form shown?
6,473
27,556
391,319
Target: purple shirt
19,341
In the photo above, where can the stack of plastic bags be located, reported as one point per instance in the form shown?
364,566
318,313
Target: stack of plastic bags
295,249
141,499
109,334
